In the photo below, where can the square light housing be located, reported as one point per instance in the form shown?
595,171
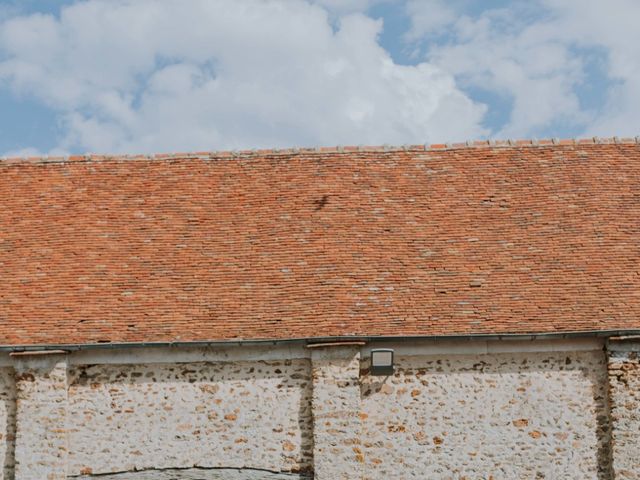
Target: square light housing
382,362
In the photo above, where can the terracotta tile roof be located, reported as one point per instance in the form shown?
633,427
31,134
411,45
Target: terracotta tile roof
513,237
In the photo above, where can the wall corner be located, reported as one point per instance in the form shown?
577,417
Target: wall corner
41,448
623,367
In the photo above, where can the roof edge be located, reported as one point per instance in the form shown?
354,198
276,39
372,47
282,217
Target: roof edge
228,154
314,340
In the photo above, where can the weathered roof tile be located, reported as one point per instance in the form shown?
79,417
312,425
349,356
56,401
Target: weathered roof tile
475,239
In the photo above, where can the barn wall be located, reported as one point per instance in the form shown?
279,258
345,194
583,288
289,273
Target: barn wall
155,416
470,410
7,422
624,384
501,416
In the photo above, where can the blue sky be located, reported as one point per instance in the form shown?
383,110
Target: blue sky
142,76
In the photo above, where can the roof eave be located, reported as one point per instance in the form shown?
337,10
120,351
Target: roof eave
331,339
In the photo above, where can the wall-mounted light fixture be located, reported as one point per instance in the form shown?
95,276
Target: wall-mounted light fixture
382,361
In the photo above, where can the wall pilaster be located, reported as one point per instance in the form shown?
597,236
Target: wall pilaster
41,417
623,358
337,425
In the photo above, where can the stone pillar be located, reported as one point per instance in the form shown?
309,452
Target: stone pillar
41,417
337,452
624,397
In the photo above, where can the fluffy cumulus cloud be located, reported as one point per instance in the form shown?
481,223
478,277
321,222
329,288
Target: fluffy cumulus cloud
149,75
561,65
611,27
168,75
428,17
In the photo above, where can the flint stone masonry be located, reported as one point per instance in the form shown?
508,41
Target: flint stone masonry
624,392
199,474
241,415
500,416
41,447
7,422
466,411
336,407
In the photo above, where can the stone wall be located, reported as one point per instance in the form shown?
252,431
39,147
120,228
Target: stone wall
336,413
41,445
7,422
467,411
624,382
504,416
241,414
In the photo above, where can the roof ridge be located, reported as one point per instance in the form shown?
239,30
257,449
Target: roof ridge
338,149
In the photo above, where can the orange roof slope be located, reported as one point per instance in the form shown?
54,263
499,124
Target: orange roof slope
279,245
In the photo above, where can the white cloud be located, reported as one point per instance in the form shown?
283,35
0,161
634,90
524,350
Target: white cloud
428,17
536,55
611,26
146,75
25,152
346,6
